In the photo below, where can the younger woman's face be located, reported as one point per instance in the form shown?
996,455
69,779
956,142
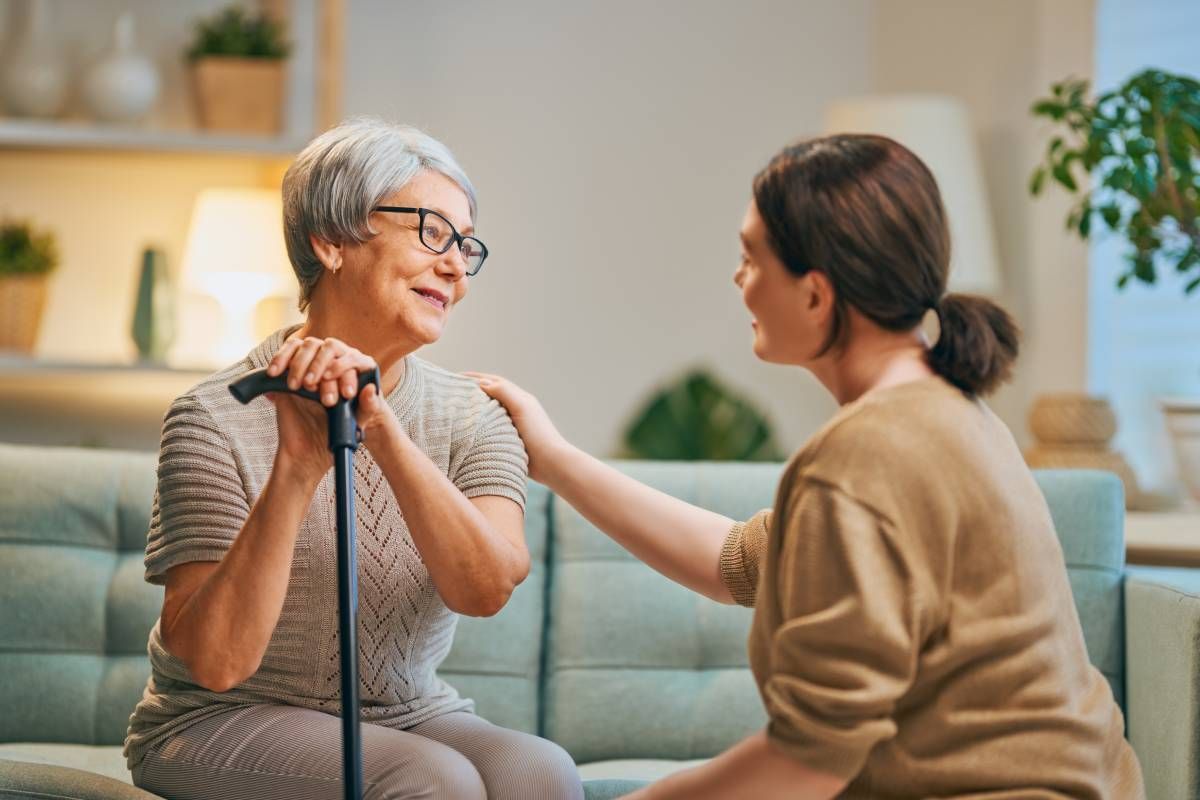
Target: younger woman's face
787,314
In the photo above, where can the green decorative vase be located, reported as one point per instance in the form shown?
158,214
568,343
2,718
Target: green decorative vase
153,325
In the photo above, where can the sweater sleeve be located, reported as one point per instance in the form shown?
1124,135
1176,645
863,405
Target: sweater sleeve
741,556
495,463
200,501
848,595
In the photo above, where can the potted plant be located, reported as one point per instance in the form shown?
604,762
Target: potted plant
237,68
26,259
696,418
1141,146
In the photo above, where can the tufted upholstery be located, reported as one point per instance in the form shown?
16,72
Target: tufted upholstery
626,644
594,650
76,611
497,660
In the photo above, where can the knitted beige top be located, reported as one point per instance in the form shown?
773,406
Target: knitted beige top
214,460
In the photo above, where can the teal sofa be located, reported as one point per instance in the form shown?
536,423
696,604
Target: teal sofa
632,674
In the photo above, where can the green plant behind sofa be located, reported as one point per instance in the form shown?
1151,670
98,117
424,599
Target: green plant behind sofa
697,418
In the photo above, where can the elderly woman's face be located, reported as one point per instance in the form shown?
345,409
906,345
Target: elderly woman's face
400,282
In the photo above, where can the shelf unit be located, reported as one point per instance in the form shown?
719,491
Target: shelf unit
68,135
315,28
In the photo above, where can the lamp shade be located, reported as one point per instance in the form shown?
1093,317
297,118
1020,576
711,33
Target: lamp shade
938,129
235,255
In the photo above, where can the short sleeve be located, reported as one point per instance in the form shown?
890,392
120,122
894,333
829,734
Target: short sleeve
847,593
495,462
742,554
200,502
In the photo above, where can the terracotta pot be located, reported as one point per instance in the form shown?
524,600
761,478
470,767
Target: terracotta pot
22,298
1072,419
1183,423
239,95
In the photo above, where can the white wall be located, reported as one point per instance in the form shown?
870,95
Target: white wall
613,145
997,57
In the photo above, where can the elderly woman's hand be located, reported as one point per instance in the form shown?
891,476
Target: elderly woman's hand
330,368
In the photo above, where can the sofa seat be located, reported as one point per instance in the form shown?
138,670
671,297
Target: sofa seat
636,769
108,762
105,760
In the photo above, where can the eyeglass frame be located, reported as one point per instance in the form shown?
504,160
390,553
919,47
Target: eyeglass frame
456,238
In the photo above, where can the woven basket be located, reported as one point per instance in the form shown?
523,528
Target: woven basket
22,298
1085,457
1072,419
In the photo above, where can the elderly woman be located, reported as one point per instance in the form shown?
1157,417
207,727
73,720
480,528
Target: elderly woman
244,690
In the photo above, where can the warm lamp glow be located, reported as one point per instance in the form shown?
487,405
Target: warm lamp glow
235,255
938,130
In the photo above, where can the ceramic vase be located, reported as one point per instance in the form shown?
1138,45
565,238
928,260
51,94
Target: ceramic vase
34,77
123,85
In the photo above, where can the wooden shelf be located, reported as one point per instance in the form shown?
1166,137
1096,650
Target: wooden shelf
52,135
81,404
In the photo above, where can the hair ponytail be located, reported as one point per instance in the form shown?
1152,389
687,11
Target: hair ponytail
978,343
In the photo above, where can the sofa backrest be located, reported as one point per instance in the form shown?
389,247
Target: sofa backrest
627,662
74,610
76,613
1088,508
637,666
497,661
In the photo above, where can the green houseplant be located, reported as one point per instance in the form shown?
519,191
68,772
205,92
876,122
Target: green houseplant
1140,144
27,257
696,418
237,67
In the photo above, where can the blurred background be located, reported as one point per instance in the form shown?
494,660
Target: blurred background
612,145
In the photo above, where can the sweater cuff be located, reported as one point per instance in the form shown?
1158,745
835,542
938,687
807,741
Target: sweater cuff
733,567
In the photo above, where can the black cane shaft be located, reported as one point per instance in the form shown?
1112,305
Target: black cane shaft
343,462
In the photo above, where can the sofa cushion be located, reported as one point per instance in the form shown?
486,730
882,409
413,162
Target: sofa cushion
105,760
497,660
638,666
73,636
1088,508
43,781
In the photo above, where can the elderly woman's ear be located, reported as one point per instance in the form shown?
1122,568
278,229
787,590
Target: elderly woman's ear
329,253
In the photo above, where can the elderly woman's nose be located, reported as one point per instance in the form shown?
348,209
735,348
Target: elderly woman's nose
452,264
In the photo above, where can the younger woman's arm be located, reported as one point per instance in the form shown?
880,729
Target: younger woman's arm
678,539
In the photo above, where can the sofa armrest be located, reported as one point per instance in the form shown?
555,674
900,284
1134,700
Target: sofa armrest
1162,673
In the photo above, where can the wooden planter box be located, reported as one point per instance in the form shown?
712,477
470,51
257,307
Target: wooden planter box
22,298
239,95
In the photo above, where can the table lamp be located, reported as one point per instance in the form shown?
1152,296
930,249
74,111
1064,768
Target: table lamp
938,129
235,256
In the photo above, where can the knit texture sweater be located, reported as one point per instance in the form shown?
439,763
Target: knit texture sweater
914,629
214,460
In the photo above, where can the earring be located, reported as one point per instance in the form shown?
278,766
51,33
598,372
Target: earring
336,266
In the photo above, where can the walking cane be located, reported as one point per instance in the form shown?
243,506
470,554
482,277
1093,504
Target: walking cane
344,438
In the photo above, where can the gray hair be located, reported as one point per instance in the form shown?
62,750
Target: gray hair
330,189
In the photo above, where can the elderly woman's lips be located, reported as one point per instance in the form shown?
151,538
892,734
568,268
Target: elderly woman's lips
433,299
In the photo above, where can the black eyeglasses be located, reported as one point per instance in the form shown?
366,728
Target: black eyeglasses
437,234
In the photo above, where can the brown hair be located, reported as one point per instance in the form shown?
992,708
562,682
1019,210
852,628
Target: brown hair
866,212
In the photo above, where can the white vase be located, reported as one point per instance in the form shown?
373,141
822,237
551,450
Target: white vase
1183,423
123,84
34,78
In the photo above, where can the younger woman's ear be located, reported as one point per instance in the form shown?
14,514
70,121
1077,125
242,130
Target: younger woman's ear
329,253
819,291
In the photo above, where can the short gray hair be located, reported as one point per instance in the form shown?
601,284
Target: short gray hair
330,189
